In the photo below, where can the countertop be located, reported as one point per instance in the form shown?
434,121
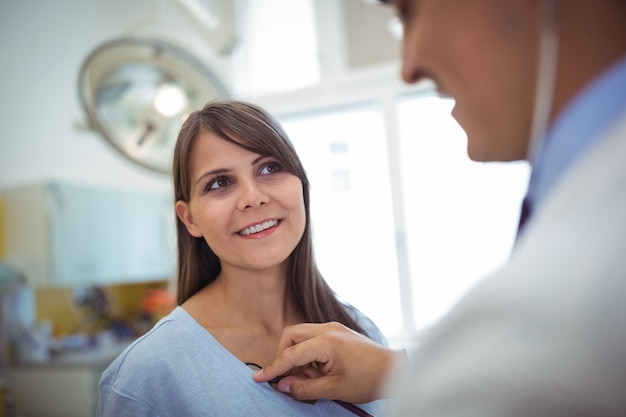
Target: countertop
92,356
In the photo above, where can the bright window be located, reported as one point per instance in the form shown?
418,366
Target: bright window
461,215
345,156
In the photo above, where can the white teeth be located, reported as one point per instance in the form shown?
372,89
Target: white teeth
258,228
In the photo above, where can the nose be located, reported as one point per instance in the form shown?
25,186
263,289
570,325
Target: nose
252,194
411,70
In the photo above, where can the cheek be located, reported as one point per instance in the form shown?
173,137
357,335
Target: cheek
500,116
209,218
295,196
302,217
492,103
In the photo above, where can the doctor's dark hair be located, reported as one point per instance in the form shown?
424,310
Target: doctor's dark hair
251,128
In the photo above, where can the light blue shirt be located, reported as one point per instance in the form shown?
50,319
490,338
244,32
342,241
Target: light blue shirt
592,112
179,369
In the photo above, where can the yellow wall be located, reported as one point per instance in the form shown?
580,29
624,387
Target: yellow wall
56,305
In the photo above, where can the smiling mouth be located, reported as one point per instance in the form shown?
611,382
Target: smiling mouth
258,228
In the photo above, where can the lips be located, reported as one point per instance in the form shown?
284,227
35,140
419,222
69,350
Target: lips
250,230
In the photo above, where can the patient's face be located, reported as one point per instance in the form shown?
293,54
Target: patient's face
246,206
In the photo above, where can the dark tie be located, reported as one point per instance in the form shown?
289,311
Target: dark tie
524,214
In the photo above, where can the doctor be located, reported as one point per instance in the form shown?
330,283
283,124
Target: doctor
543,81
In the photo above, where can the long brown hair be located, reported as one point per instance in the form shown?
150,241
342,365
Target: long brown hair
251,128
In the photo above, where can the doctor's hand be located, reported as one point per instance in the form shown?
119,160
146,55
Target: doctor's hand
337,363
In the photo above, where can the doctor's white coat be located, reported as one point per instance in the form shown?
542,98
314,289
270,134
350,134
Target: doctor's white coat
546,334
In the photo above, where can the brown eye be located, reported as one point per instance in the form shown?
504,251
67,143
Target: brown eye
270,168
217,183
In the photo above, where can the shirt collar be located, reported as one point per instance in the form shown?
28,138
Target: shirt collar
581,123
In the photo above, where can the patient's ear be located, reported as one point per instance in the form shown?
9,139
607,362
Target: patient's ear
184,214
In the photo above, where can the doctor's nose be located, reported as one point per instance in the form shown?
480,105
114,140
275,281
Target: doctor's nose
411,66
252,195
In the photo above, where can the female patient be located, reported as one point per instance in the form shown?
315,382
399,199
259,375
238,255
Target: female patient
245,271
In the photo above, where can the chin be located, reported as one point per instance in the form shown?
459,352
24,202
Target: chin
482,155
494,150
477,153
479,157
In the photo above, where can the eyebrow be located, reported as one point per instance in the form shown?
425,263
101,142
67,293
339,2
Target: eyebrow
225,170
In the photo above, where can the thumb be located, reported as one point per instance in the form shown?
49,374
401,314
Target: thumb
304,389
272,371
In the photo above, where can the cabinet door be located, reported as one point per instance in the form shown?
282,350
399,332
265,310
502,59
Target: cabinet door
70,391
144,226
86,237
64,234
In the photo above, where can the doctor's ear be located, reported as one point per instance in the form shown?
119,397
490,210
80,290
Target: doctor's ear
184,214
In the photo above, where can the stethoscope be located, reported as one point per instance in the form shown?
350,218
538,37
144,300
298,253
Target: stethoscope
544,94
348,406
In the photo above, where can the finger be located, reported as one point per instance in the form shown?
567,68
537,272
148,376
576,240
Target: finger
295,356
292,335
310,371
303,389
284,385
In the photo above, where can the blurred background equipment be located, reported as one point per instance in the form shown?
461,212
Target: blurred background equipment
138,88
137,92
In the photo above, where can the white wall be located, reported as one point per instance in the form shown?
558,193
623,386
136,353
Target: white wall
42,46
